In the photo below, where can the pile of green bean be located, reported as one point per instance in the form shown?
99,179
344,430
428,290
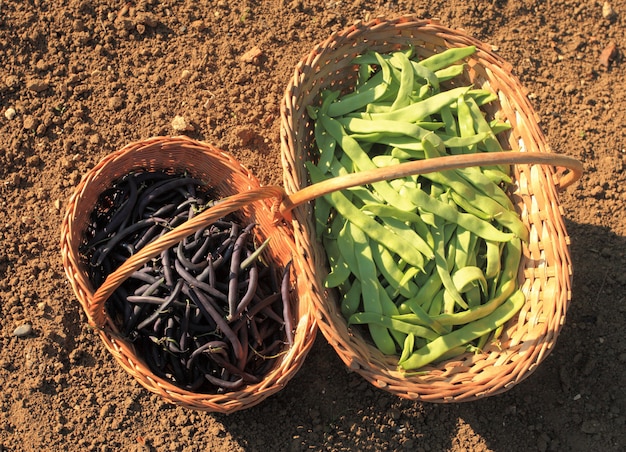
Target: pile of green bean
429,263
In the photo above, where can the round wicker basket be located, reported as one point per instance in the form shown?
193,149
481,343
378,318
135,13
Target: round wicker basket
242,193
546,270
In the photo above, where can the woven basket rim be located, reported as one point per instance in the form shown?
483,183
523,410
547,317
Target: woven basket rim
156,149
546,272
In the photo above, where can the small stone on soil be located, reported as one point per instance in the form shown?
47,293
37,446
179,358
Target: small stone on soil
10,113
180,124
608,12
23,330
37,85
590,426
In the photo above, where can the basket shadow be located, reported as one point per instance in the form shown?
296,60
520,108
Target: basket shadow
572,401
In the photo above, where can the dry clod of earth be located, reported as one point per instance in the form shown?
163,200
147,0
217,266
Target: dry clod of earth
80,79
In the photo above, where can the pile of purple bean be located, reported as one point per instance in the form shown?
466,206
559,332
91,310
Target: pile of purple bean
208,314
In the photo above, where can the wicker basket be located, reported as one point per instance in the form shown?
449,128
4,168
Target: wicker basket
242,193
545,275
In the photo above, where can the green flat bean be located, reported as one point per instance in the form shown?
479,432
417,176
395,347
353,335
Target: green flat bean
467,333
345,246
351,299
446,58
407,233
417,111
322,212
448,73
407,348
476,201
353,125
369,92
465,278
436,306
471,223
386,211
416,258
441,264
465,242
390,270
403,97
507,286
362,161
371,302
339,269
390,309
493,259
373,318
431,78
325,142
419,316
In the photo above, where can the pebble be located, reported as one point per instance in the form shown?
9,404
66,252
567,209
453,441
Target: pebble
185,75
252,56
116,102
180,124
607,11
590,426
37,85
23,330
30,123
10,113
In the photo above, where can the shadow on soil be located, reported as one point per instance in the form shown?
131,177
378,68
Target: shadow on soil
574,401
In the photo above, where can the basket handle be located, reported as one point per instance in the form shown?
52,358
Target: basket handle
430,166
224,207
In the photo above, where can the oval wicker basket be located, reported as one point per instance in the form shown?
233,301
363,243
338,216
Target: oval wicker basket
242,193
545,274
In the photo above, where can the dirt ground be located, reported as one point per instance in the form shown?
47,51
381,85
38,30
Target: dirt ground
79,79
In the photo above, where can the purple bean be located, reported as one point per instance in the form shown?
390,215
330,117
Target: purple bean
224,384
122,215
102,252
205,305
253,280
194,282
151,300
209,347
150,234
269,312
170,334
186,262
158,189
254,329
270,349
262,304
284,290
206,268
163,211
233,370
243,339
177,368
134,318
202,250
184,328
222,258
153,287
142,275
233,276
163,307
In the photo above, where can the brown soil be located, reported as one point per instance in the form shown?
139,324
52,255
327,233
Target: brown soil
87,77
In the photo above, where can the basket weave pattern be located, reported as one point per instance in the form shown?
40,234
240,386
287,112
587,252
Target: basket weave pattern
252,202
545,273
